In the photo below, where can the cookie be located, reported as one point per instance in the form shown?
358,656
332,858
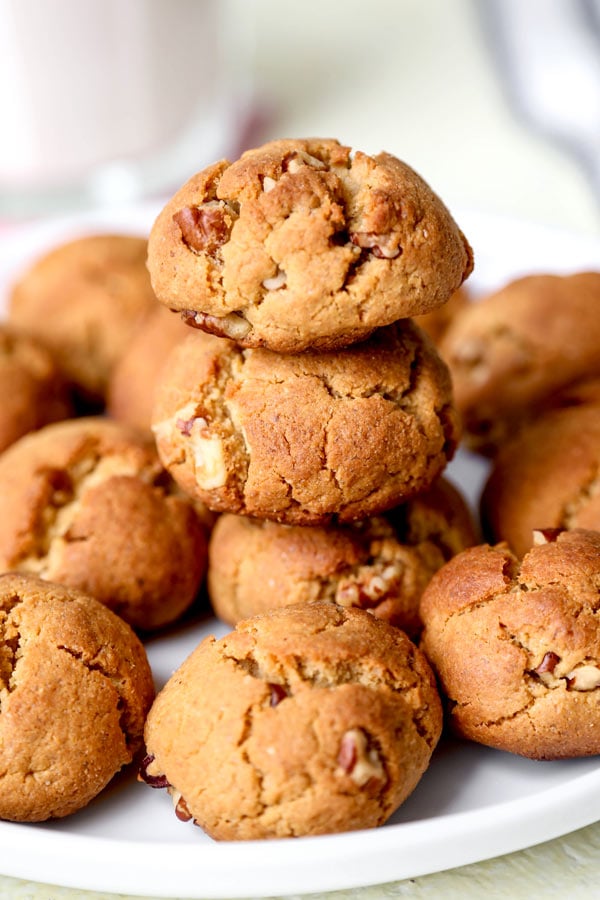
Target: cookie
547,476
302,244
516,645
306,720
437,322
513,350
75,688
87,504
133,381
381,564
303,439
84,300
33,390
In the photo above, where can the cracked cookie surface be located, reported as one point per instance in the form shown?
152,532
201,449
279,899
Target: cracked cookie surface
548,476
84,300
306,720
301,243
33,390
303,439
75,688
516,644
381,564
87,504
511,351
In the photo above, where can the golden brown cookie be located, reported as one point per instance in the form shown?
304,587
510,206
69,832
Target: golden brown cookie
85,300
437,322
548,476
516,645
301,243
133,381
514,349
86,503
33,390
381,564
306,720
75,688
303,439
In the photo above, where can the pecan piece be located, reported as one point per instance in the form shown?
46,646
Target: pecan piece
383,246
359,761
181,808
233,325
546,535
278,693
276,282
203,228
583,678
154,781
548,663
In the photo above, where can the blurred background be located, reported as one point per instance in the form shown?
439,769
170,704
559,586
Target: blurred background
495,102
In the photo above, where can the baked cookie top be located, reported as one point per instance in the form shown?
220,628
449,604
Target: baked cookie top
34,392
548,475
87,504
75,688
510,352
304,438
381,564
301,243
516,644
306,720
84,300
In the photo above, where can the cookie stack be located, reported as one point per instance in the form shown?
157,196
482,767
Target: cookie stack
305,401
308,397
322,404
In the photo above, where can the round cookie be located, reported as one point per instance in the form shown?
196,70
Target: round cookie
86,503
513,350
33,390
306,720
303,439
134,379
303,244
547,476
381,564
75,688
516,645
85,300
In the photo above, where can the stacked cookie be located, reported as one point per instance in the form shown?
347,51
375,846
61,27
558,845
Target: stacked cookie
308,403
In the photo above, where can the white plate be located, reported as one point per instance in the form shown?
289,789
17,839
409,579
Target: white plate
473,803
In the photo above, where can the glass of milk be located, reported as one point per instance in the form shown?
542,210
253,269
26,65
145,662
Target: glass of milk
105,102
